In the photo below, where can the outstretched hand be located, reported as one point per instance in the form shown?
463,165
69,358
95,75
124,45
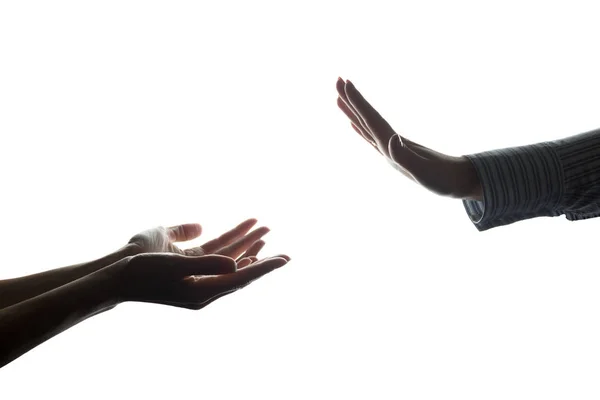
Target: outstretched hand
161,272
238,243
186,281
440,173
150,268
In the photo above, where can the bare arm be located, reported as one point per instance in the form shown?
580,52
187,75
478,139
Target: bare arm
37,307
498,187
157,240
16,290
169,279
27,324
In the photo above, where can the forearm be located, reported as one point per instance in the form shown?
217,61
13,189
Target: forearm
13,291
31,322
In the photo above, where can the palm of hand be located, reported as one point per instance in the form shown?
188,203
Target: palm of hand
189,282
194,277
155,240
236,243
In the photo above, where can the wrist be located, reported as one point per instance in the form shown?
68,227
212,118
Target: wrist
130,250
114,283
472,184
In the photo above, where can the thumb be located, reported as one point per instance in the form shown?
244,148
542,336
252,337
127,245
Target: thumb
181,233
205,265
402,155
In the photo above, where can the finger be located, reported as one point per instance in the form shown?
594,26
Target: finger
341,89
244,262
181,233
363,130
195,252
355,122
238,247
361,133
252,260
285,257
362,107
246,275
229,237
377,126
255,249
346,109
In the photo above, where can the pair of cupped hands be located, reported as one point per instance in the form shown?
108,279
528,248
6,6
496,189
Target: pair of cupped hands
161,272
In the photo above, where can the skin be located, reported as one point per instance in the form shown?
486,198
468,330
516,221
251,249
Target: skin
156,240
149,268
440,173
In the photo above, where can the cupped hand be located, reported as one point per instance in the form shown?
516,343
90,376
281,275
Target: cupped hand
239,242
440,173
185,281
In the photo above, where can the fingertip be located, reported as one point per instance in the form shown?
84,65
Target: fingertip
250,221
284,257
194,230
339,85
351,93
263,230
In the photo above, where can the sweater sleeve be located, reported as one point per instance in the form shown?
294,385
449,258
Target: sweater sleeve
545,179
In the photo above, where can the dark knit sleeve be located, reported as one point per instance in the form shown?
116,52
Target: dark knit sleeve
545,179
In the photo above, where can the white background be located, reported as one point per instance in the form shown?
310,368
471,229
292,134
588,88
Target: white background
117,116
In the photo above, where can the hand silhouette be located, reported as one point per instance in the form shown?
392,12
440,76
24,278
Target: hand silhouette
236,243
185,281
440,173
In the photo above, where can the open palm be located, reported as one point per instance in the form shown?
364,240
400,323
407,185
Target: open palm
238,243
